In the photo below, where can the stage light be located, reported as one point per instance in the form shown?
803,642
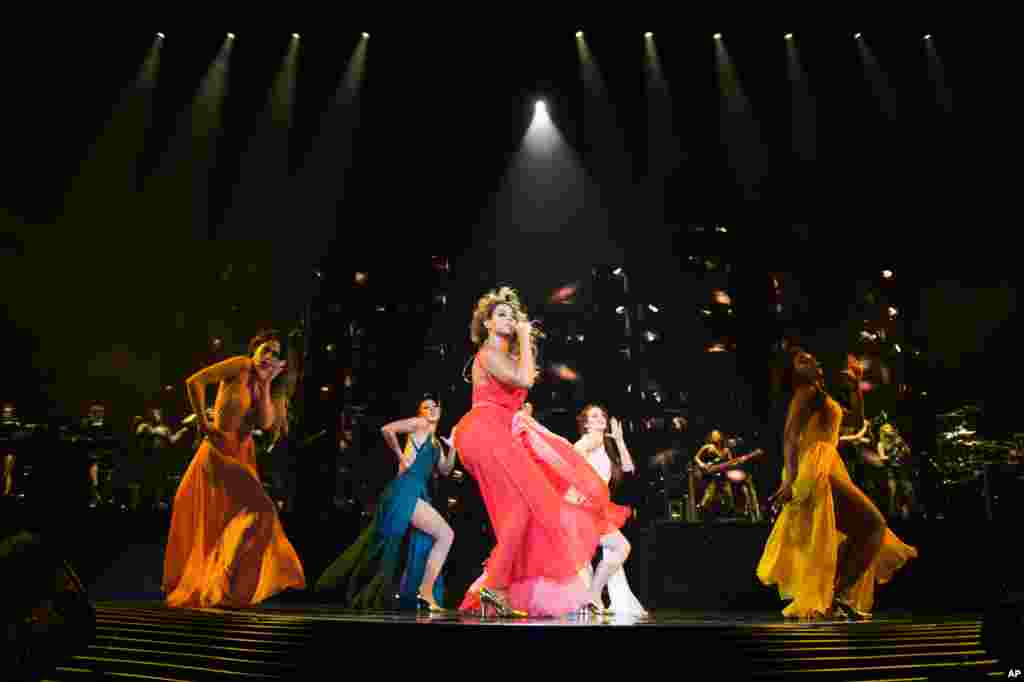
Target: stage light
721,297
653,308
887,274
650,336
716,348
168,388
217,343
928,37
361,278
721,228
893,312
897,347
161,36
231,36
857,36
540,107
295,36
579,34
618,272
648,35
621,309
718,36
365,35
705,312
330,348
789,36
325,389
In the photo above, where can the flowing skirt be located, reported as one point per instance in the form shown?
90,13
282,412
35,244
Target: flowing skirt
226,545
367,574
802,553
548,507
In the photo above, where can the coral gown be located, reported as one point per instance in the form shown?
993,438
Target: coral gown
802,553
226,546
547,505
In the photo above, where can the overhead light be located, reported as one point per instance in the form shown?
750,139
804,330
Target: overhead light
366,35
897,347
718,36
618,272
653,308
295,36
857,36
621,309
161,36
231,36
928,37
789,36
893,312
648,35
579,34
887,274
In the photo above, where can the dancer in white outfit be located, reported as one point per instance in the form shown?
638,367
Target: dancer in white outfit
610,458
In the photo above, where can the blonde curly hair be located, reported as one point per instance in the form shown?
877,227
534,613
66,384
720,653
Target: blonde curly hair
485,309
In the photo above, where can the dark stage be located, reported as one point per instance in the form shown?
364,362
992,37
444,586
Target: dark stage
145,640
697,580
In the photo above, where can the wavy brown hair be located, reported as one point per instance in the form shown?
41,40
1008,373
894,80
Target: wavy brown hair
484,310
609,444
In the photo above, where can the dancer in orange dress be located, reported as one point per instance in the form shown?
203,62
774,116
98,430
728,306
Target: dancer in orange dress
830,545
548,507
226,546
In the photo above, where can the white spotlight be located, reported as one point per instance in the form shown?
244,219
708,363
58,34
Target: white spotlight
789,36
718,36
857,36
366,35
295,36
648,35
928,37
160,36
579,34
231,36
887,274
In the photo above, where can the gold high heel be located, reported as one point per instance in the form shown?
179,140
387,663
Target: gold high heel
487,597
424,605
841,605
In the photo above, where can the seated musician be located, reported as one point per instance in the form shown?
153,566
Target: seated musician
9,428
711,453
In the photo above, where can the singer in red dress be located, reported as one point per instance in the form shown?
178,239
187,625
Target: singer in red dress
548,507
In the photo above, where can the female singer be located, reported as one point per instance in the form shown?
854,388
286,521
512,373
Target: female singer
226,545
610,458
525,474
368,570
830,544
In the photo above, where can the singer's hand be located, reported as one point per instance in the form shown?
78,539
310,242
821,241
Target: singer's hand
524,328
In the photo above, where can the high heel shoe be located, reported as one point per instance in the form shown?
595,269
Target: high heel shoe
489,598
424,605
844,607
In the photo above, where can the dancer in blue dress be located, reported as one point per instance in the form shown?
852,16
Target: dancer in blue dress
369,573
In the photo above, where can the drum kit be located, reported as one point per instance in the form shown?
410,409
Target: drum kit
961,456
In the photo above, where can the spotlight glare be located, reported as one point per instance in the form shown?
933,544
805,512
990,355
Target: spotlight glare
887,274
648,35
365,35
295,36
789,36
160,36
540,105
231,36
718,36
857,36
928,37
579,34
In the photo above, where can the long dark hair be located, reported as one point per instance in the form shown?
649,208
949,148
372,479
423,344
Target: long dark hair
614,456
792,381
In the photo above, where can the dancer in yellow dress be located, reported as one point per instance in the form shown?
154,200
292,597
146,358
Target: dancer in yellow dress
830,545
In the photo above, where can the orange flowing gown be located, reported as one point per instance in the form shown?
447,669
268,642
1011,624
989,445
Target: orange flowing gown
801,556
226,546
547,505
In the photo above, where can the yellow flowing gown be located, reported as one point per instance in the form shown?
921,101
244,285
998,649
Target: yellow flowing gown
802,552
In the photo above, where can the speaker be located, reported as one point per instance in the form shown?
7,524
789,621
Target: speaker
47,613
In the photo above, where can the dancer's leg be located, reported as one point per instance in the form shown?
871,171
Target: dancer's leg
615,550
858,518
426,519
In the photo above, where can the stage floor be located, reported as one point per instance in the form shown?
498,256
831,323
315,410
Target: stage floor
146,640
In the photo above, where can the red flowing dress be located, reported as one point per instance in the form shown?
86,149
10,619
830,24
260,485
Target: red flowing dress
547,505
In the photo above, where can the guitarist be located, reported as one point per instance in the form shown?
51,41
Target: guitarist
711,453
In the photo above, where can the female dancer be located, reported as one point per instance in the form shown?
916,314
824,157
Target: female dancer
546,535
610,458
830,544
226,545
368,570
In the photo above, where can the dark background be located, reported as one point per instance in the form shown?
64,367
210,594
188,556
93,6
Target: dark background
115,290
